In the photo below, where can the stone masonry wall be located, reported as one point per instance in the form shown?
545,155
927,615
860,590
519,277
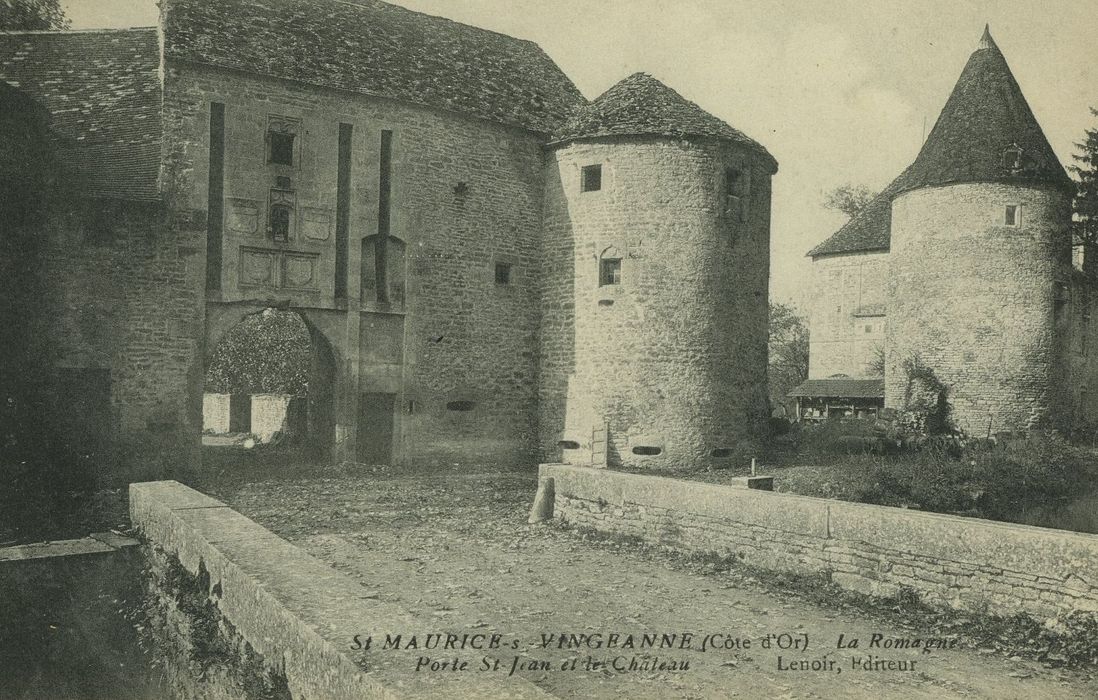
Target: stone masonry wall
466,194
982,304
847,315
674,357
125,298
963,563
1081,356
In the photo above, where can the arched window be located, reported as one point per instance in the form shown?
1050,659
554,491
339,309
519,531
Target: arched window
280,222
383,272
610,267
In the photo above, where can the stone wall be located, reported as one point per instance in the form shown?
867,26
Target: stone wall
270,413
673,358
1081,356
123,311
963,563
847,315
466,195
297,616
215,413
982,304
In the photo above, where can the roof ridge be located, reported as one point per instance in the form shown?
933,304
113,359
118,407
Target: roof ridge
63,32
356,3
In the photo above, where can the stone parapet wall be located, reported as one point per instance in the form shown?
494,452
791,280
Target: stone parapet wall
297,613
963,563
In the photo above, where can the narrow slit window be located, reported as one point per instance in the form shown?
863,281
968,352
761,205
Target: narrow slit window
1013,215
591,178
503,273
461,406
282,148
609,272
737,193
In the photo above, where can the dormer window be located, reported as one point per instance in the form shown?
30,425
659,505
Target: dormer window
591,178
1012,216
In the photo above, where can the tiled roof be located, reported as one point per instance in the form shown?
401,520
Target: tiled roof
375,48
640,105
102,92
984,119
841,387
868,230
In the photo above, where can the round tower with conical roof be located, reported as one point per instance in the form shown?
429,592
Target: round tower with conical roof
656,263
980,258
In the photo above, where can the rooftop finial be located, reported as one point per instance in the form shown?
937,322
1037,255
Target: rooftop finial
986,42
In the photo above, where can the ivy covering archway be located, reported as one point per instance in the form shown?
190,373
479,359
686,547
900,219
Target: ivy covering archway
269,352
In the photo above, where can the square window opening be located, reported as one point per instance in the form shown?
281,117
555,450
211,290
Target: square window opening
503,273
282,148
609,271
1013,215
591,178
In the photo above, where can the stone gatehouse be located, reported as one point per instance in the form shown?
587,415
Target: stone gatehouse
490,268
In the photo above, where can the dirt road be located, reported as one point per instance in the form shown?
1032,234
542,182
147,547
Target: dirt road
456,548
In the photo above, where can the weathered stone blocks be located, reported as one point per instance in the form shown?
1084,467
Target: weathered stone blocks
959,562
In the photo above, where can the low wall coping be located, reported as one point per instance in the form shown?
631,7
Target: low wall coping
297,612
1058,555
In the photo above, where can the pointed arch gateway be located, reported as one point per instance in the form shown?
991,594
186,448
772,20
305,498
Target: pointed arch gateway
275,375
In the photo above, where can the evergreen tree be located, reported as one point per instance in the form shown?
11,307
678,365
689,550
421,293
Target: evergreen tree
1085,205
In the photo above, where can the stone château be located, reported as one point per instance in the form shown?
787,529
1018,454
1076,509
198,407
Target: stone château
486,267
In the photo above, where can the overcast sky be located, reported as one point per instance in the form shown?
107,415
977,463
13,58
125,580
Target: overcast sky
838,90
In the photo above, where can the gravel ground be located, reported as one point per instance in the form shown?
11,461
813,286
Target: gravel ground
454,547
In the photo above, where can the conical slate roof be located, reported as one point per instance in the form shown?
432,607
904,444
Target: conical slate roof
985,133
985,118
640,105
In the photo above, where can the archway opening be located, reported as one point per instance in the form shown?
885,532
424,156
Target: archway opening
269,380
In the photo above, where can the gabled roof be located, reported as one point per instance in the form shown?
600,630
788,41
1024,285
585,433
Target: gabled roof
840,387
102,92
985,133
640,105
374,48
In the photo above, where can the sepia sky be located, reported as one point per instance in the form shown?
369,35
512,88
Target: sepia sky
837,90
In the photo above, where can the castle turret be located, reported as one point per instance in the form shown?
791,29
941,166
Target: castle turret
656,262
980,257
